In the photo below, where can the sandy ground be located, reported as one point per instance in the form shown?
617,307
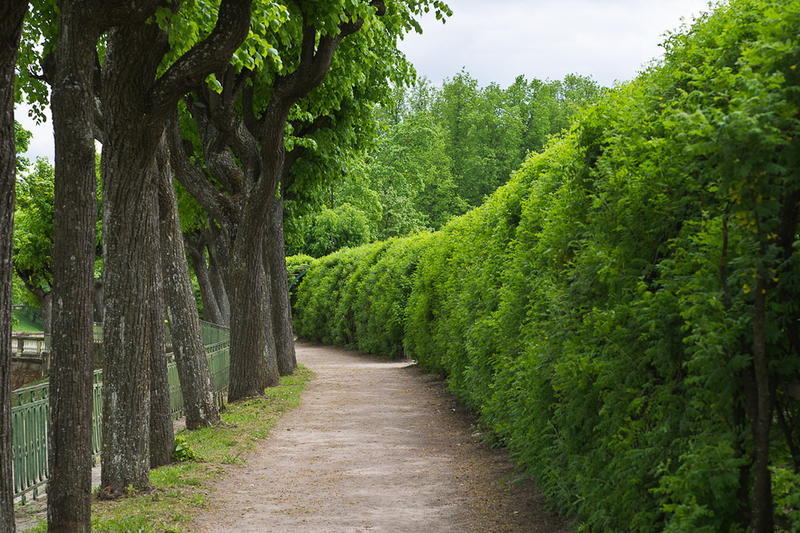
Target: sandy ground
374,446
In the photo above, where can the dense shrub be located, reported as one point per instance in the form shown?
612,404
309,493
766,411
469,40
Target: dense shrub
625,310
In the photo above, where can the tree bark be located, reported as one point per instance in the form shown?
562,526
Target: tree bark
136,104
11,15
162,434
70,450
131,137
216,273
187,344
99,305
253,368
211,310
275,265
47,310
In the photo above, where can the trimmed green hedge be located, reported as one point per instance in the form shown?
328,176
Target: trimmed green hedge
614,310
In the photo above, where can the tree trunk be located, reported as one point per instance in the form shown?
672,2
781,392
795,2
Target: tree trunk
47,310
215,270
253,368
187,343
70,451
162,434
131,137
136,105
211,310
275,265
99,306
11,15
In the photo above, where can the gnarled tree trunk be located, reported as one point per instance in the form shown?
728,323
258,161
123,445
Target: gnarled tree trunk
280,307
99,305
136,104
187,344
11,15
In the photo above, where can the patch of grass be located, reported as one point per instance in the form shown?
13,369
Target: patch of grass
21,321
23,324
182,488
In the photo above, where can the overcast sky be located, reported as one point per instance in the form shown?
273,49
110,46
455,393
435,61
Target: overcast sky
496,40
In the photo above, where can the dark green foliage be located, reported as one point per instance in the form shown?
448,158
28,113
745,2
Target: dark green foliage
599,310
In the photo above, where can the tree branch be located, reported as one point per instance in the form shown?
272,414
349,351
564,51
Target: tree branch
216,204
210,55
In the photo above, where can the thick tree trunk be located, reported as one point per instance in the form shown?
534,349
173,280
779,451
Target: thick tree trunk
131,137
253,367
70,450
11,15
211,310
187,343
275,265
162,434
136,105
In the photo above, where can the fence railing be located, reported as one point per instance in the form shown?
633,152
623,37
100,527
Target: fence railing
30,413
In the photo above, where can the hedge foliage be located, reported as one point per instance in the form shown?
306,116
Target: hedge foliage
625,309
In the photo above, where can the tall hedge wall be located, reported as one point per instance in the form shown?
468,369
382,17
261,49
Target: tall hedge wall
624,312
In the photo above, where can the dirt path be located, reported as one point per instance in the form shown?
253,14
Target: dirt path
374,446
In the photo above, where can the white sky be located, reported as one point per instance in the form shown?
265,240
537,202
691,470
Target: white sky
496,40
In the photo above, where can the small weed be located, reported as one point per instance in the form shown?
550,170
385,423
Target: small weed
183,451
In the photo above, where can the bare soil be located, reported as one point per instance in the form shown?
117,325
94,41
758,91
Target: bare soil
375,445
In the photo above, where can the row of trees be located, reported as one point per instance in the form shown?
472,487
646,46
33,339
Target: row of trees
624,312
237,106
439,151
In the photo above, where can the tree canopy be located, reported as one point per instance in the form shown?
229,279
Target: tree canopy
439,151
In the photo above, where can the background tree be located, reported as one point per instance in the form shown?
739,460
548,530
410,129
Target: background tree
33,235
333,40
440,151
200,407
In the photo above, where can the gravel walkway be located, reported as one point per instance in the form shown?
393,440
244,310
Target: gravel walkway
375,445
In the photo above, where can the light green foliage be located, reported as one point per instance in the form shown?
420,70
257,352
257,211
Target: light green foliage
336,228
597,310
33,227
440,151
22,139
183,450
33,231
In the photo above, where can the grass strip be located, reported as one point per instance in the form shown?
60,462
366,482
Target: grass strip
182,488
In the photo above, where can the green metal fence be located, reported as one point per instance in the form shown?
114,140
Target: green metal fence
30,412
